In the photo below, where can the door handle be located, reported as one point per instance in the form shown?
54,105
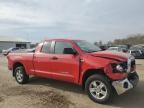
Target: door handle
54,58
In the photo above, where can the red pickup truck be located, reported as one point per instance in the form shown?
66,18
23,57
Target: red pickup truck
100,73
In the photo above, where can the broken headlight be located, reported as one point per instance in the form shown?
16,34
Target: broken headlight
117,68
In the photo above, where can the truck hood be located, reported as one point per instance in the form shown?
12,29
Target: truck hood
117,56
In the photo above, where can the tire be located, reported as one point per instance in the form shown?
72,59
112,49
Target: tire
20,75
99,89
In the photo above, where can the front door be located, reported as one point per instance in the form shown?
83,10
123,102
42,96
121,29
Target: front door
64,66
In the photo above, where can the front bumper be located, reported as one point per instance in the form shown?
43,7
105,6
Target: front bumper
126,84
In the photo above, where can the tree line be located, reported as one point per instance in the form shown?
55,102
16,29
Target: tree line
130,40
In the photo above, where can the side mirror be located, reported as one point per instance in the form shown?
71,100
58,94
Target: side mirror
69,51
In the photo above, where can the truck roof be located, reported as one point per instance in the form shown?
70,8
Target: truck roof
62,39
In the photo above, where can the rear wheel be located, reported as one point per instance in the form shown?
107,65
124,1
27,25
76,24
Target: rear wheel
20,75
98,88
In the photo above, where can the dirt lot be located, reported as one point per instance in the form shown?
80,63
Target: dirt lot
46,93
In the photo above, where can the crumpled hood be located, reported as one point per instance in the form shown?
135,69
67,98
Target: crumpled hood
117,56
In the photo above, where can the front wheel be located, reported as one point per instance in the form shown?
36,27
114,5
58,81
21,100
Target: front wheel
20,75
98,88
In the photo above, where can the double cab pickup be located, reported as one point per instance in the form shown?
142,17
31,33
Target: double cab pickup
100,73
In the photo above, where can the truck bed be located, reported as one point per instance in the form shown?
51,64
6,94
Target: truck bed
24,51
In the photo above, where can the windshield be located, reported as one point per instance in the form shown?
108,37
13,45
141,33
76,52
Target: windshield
86,46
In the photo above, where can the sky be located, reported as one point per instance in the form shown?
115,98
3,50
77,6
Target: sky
92,20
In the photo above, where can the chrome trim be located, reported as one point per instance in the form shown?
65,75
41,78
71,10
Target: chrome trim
119,86
129,65
130,59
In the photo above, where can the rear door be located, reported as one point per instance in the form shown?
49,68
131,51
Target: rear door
64,66
42,61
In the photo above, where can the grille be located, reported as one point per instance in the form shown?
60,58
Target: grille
133,63
126,66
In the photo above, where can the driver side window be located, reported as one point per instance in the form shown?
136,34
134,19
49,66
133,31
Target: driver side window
60,46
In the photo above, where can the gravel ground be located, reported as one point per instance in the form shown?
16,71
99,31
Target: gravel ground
46,93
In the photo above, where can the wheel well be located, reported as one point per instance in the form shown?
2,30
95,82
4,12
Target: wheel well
90,72
16,65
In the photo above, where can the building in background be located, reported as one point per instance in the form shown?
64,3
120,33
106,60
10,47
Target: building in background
9,42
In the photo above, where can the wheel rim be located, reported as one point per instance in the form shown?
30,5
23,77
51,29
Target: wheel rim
19,75
98,89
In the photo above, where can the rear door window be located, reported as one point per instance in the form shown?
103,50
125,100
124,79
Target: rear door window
46,47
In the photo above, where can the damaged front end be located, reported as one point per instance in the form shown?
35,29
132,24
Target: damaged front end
132,79
126,84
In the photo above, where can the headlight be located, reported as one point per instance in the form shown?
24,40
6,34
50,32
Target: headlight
119,68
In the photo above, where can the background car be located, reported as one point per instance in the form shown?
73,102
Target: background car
6,52
137,52
118,49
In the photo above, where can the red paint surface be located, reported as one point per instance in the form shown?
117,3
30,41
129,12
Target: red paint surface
67,67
